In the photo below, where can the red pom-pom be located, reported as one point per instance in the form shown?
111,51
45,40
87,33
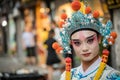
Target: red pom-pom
64,16
111,41
113,34
88,10
96,14
55,45
61,23
68,60
59,49
105,52
75,5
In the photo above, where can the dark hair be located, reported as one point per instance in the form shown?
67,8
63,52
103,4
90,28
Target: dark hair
98,34
51,33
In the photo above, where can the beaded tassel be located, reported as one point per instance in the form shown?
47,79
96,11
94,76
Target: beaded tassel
102,64
68,68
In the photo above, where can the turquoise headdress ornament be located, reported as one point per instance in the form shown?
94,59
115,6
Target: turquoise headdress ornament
90,20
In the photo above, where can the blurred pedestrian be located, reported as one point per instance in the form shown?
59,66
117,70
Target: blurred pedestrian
54,26
29,45
52,57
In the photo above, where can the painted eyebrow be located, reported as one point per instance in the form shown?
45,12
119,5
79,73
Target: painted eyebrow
90,36
75,39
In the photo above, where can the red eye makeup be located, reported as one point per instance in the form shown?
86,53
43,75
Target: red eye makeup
88,40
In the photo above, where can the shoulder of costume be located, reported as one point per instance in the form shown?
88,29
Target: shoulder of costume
112,73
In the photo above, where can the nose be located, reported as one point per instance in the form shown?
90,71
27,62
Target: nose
84,47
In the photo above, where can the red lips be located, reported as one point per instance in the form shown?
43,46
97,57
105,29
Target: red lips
86,54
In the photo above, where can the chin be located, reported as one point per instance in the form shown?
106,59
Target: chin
87,59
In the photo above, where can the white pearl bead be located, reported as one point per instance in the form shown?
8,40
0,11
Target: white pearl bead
92,21
104,45
107,37
110,43
61,51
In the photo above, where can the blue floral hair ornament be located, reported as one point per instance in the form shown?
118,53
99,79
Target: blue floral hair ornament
79,21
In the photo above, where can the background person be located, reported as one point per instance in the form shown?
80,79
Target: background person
29,45
52,57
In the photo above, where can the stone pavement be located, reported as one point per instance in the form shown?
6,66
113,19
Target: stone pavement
11,64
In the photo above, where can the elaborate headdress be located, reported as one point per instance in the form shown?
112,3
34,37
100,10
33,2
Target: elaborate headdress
88,21
78,21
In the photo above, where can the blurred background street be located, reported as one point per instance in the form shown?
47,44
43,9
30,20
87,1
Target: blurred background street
34,18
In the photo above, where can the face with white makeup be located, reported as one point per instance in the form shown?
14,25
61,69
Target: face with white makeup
86,44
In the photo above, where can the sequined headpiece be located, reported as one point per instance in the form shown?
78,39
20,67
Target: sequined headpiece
89,21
